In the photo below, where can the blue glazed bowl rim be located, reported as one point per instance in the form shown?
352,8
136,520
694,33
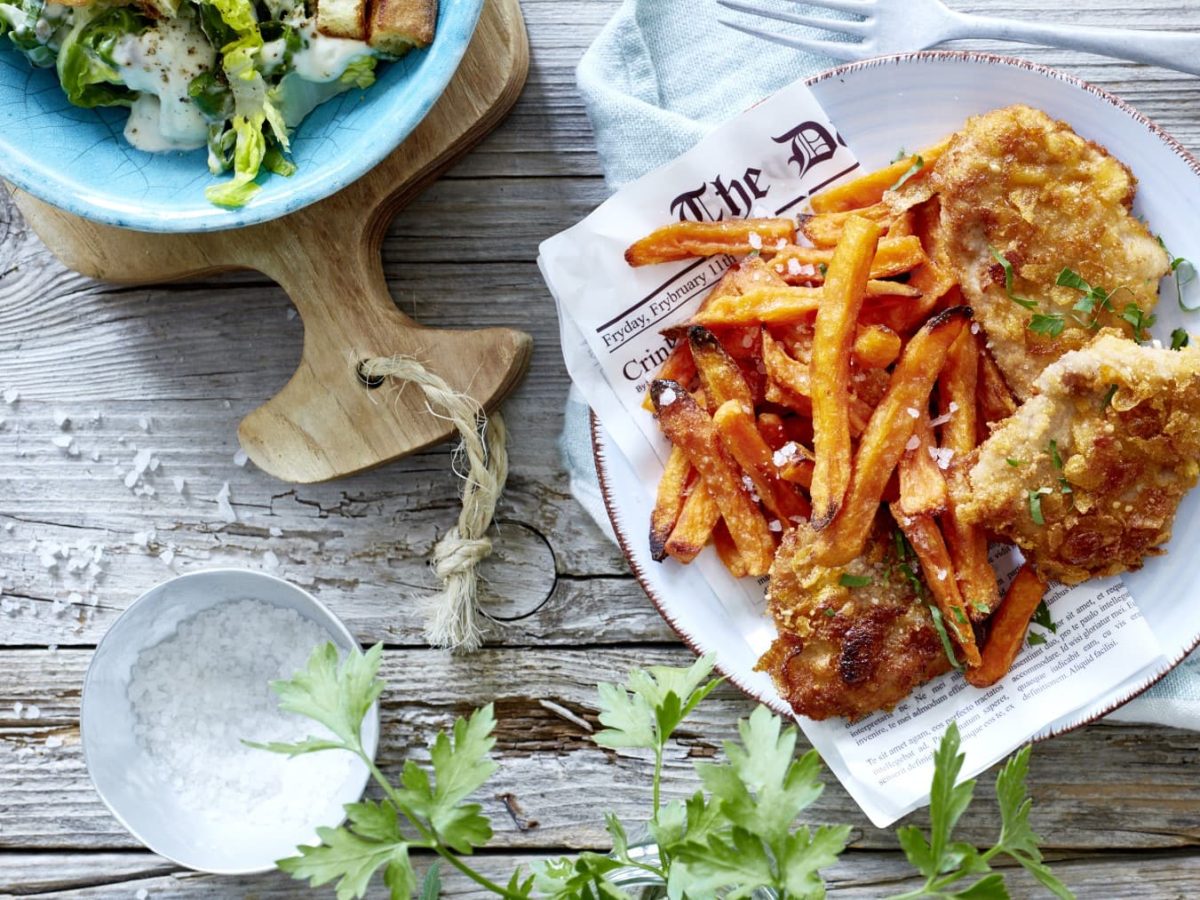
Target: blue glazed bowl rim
456,25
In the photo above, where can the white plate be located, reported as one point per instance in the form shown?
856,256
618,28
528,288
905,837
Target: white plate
911,101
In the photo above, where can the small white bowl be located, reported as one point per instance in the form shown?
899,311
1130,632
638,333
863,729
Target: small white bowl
123,776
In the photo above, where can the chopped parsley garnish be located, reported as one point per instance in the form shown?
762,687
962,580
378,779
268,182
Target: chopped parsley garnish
1054,455
1035,505
917,166
1008,281
901,153
1184,273
960,615
1108,395
1094,300
830,612
940,627
1179,339
1015,462
1140,321
854,581
1035,638
1050,325
823,269
1041,616
980,606
1064,486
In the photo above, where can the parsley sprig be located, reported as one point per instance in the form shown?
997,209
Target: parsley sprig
739,834
1008,281
918,164
1184,273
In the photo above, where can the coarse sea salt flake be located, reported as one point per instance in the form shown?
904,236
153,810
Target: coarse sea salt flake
143,423
275,531
54,741
974,328
754,240
666,397
167,556
793,266
180,484
141,894
775,525
224,508
239,458
912,411
62,441
270,560
11,396
913,443
61,419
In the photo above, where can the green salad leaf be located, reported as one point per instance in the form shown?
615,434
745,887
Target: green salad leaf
86,68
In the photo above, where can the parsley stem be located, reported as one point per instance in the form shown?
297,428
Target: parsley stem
445,853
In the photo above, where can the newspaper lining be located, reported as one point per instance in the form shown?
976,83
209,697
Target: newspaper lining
768,161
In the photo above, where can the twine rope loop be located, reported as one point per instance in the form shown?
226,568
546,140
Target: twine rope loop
452,619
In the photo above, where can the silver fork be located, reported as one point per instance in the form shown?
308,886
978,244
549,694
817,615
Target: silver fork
899,26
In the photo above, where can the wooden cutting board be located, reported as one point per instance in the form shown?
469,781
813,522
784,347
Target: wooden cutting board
325,423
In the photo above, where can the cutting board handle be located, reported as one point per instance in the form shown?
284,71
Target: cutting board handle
326,421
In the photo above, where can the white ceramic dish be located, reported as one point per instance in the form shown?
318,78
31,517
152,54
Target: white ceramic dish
116,762
880,106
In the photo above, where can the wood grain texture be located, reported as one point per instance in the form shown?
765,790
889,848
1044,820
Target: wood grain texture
1119,805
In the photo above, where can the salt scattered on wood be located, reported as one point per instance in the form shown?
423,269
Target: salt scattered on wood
62,441
270,560
239,458
275,531
167,556
180,484
61,419
224,508
54,741
143,423
11,396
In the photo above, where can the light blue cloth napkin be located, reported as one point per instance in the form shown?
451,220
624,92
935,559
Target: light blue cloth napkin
661,74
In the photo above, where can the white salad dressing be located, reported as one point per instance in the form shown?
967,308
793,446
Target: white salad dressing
325,58
161,63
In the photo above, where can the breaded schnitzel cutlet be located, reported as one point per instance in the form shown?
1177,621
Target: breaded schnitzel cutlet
852,639
1117,425
1016,181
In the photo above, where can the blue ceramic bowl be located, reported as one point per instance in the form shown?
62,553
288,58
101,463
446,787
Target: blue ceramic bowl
78,160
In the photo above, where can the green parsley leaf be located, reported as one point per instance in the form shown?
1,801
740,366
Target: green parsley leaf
1015,462
980,606
1140,321
1052,449
1041,616
854,581
1094,300
431,886
900,154
1184,273
644,712
1179,339
1035,505
1050,325
917,165
939,625
1034,638
1068,278
1108,395
823,268
337,696
1008,281
460,767
1017,838
347,857
948,800
960,615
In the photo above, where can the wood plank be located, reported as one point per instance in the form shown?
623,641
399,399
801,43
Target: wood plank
1137,790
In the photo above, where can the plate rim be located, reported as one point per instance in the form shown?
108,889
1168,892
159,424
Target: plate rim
599,441
28,178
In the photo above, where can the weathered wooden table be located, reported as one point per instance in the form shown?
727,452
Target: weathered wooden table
172,369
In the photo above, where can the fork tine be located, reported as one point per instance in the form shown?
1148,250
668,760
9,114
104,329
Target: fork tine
838,26
858,7
851,51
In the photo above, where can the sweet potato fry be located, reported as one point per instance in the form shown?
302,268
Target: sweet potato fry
922,484
772,429
739,435
1008,627
870,188
672,492
888,432
678,366
688,427
894,257
797,463
720,376
968,543
996,401
922,532
695,525
683,240
825,230
876,346
783,305
833,342
789,385
728,551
